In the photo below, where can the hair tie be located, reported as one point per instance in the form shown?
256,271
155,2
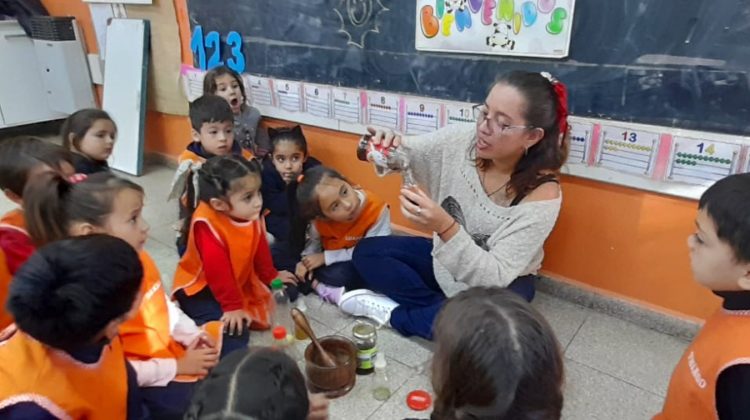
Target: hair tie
77,178
561,92
300,178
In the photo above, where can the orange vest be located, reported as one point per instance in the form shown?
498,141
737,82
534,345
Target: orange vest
148,334
5,278
241,242
190,155
60,384
14,219
343,235
724,341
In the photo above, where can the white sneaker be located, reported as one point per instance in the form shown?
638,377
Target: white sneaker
368,304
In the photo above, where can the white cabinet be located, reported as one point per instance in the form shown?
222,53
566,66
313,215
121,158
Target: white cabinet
23,98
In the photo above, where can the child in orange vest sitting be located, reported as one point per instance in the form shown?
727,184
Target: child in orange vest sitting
22,158
225,271
63,358
168,351
341,216
213,135
711,380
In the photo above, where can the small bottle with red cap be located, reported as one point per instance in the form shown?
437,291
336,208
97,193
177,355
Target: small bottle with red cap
281,339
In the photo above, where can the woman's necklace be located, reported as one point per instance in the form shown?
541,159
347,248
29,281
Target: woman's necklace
484,187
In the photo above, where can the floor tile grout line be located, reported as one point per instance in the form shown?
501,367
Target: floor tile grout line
618,378
575,334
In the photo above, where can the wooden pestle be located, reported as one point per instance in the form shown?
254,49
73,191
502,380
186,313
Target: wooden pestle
301,320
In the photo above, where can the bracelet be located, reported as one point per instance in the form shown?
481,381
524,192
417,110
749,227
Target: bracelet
449,228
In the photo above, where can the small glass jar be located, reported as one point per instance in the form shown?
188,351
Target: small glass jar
365,338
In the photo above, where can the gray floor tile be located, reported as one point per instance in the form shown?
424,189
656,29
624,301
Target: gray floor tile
396,408
590,394
412,352
636,355
565,318
164,233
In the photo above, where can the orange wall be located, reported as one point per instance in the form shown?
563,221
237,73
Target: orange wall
614,240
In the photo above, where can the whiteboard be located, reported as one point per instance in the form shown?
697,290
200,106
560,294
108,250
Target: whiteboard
125,75
526,28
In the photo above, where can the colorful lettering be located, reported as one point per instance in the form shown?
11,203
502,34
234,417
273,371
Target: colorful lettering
556,23
489,6
429,23
463,19
475,5
545,6
448,20
506,9
528,10
517,23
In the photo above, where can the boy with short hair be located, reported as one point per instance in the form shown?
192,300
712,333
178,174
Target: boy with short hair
713,376
64,359
21,159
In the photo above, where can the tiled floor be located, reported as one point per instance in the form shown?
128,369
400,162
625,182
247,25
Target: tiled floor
614,369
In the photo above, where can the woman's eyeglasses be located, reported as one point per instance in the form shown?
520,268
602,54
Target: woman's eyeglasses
496,126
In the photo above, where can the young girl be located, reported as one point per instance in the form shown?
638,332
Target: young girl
287,160
228,84
90,135
495,358
341,215
168,351
227,266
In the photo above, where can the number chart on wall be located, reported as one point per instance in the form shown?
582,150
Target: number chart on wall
702,161
628,150
580,141
458,113
532,28
384,110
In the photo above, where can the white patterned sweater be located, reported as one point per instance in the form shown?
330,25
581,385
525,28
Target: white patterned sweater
495,244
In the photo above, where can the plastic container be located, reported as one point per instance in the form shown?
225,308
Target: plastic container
282,316
381,389
366,339
385,159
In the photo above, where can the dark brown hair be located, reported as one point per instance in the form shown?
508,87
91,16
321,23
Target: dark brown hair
78,124
52,203
209,81
290,134
551,152
19,155
495,358
303,202
209,109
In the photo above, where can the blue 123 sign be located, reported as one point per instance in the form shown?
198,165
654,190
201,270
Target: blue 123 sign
208,50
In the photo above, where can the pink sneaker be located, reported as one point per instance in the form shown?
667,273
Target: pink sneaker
329,294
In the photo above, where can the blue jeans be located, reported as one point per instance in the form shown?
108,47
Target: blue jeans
202,307
400,267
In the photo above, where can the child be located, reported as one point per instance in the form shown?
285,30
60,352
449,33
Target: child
341,216
710,381
90,134
227,83
213,135
258,383
65,360
22,158
287,160
227,266
495,358
167,350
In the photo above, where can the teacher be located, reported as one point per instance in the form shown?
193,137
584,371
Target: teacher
492,199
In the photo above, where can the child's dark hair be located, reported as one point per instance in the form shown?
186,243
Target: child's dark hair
52,203
257,383
19,155
290,134
216,179
77,124
303,202
551,152
727,202
209,109
70,290
209,81
495,358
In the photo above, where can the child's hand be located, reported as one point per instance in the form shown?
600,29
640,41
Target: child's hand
300,271
197,361
385,138
318,407
287,277
203,341
234,321
314,261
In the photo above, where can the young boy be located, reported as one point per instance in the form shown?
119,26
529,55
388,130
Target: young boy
21,159
64,359
212,124
713,376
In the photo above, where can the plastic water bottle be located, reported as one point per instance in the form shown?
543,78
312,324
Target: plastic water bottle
381,390
282,312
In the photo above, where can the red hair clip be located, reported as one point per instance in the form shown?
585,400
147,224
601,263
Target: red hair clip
562,102
76,178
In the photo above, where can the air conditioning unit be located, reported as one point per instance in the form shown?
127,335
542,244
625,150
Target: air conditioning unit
64,70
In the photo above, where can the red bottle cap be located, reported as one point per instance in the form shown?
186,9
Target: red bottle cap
279,333
419,400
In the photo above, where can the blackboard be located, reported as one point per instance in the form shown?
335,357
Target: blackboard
675,63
